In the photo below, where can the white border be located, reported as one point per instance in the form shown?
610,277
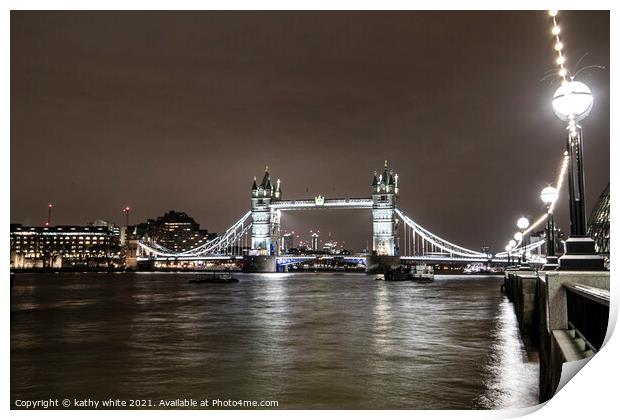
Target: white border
591,394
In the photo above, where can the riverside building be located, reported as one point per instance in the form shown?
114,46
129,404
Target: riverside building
598,226
65,246
175,231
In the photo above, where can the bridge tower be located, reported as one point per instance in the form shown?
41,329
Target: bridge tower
384,196
265,221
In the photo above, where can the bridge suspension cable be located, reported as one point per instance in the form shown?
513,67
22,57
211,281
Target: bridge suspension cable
418,241
518,251
434,240
232,237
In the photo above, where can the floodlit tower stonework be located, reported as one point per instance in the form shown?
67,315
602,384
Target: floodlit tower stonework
263,221
384,196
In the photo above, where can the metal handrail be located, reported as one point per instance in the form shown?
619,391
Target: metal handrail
594,293
587,343
588,313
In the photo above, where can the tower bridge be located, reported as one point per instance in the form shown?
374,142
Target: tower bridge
396,237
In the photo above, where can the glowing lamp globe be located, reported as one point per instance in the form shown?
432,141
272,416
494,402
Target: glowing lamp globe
572,98
523,223
518,236
512,243
508,248
549,195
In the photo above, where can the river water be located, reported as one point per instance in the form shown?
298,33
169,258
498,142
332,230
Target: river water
305,340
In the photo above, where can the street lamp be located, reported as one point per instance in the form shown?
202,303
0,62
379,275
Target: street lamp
572,102
549,195
49,215
511,244
126,210
508,248
523,224
518,238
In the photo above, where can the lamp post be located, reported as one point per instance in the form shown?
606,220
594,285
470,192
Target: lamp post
549,195
523,224
508,248
49,215
518,238
126,210
572,102
511,244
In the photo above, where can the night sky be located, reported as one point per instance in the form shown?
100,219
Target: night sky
179,110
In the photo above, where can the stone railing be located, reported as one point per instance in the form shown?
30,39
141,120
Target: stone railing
562,314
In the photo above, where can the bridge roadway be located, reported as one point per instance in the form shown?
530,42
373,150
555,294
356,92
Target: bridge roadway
357,259
413,233
434,248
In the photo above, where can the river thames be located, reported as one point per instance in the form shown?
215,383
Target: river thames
306,340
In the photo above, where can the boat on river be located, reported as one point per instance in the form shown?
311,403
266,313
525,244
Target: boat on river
399,273
419,273
422,273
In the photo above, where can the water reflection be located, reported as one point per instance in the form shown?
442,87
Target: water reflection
306,340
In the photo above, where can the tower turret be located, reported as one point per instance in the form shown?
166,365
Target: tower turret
265,177
278,192
264,219
264,189
384,195
396,184
375,182
385,177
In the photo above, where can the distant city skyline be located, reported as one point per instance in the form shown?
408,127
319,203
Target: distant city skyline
180,110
